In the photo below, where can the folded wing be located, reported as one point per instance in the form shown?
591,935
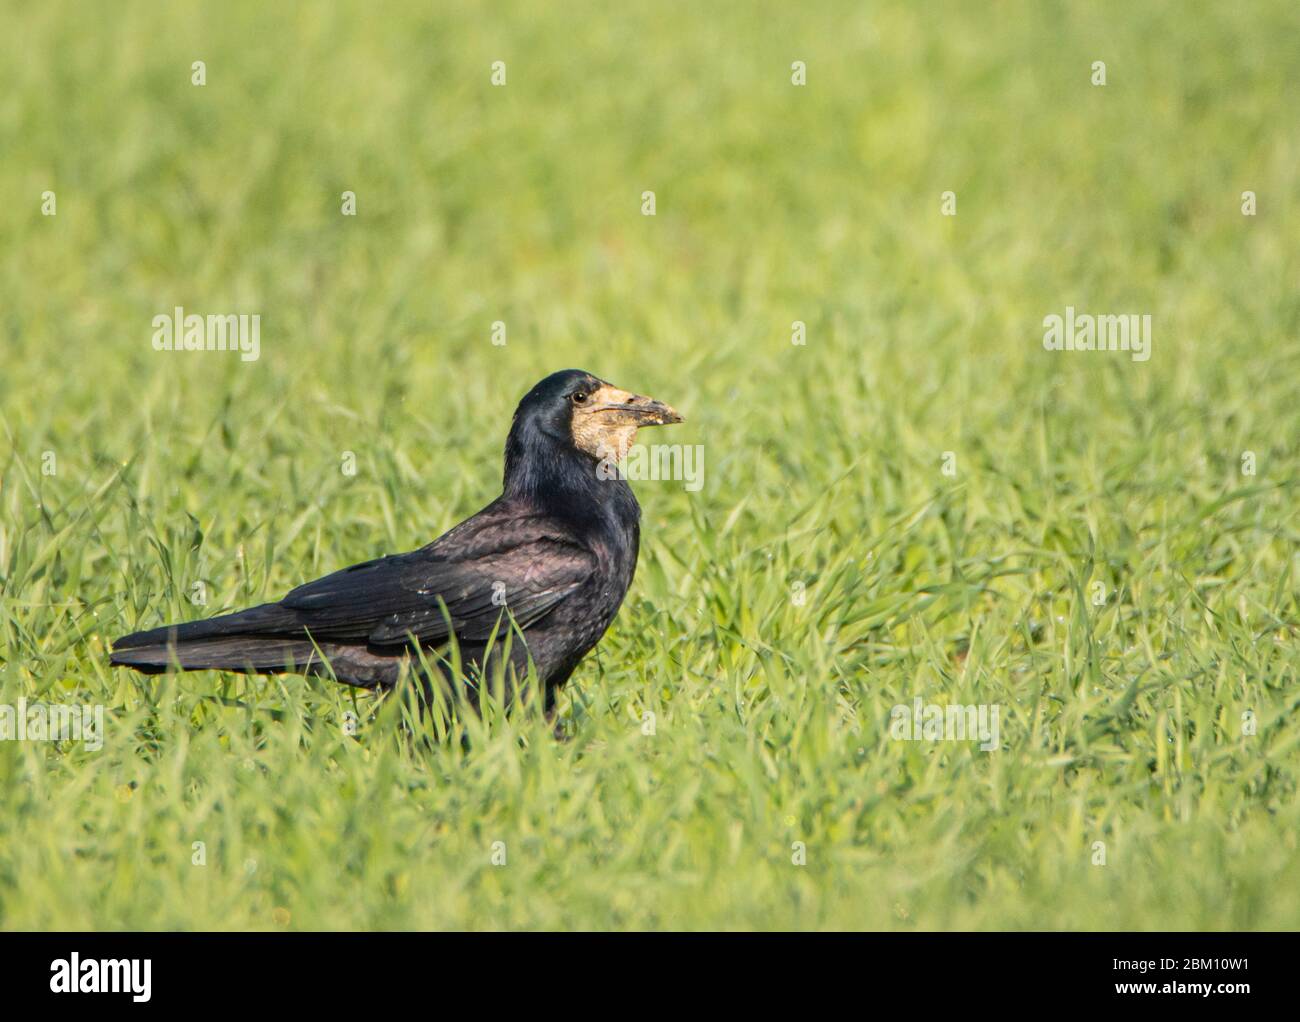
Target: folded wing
424,597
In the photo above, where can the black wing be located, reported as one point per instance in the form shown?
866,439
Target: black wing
464,581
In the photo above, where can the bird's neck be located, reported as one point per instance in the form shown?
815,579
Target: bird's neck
564,481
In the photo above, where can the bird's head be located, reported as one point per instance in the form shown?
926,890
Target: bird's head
575,410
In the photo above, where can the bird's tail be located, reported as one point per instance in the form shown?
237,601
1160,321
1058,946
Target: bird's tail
258,640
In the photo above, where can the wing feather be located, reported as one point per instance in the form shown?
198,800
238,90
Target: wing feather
466,582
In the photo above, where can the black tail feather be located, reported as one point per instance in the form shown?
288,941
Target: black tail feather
255,654
268,619
260,639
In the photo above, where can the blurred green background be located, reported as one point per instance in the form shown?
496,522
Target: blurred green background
1122,721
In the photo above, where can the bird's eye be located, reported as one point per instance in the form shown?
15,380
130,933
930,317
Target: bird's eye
579,396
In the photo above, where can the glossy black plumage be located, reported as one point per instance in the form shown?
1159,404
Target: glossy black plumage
557,549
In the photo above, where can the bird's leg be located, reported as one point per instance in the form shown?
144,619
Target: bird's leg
561,728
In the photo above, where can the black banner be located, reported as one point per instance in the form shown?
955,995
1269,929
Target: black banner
149,971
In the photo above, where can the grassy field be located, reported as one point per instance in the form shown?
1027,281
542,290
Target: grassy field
920,501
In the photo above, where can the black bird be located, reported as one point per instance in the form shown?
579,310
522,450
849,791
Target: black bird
557,551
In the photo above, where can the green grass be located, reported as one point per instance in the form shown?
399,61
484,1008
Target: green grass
1120,722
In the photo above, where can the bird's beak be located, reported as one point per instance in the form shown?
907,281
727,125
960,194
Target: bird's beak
634,409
